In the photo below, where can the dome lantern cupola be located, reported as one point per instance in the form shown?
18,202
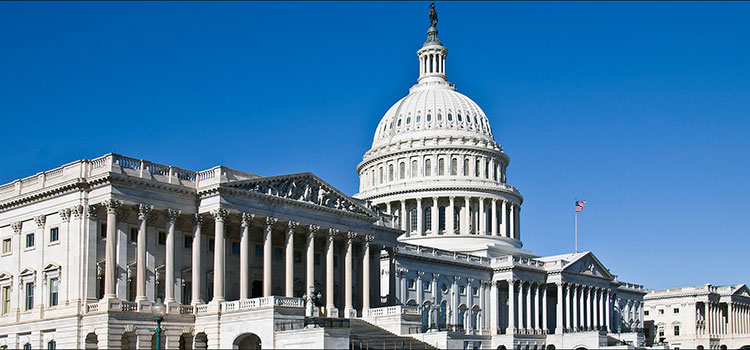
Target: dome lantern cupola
432,54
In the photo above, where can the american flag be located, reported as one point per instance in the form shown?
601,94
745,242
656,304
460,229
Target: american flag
580,205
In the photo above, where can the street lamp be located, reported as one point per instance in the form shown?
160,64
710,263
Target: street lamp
158,309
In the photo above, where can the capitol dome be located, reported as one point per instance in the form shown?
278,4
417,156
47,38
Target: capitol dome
435,167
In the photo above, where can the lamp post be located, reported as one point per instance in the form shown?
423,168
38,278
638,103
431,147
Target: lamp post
158,309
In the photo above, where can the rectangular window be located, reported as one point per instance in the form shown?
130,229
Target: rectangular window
236,248
132,284
162,237
677,310
412,284
187,292
53,287
7,246
661,311
100,287
29,295
278,253
297,256
426,286
258,250
54,234
29,240
103,230
211,244
6,299
475,291
645,313
441,218
134,235
51,345
316,259
676,330
187,242
462,290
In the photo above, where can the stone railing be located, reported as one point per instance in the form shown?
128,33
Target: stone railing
261,303
437,181
92,307
128,306
186,309
442,254
392,311
201,309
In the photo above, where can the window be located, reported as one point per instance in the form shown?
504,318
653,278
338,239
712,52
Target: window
444,287
187,242
6,299
187,292
441,218
486,169
29,295
414,170
412,284
645,313
100,287
236,248
419,117
297,256
428,219
429,117
426,286
441,166
134,234
661,312
475,291
408,120
428,167
450,117
103,230
53,287
398,123
454,166
29,240
211,244
162,237
278,253
661,332
477,167
440,116
462,290
258,250
466,167
27,346
459,116
7,246
402,170
390,172
676,330
413,219
51,345
676,310
380,175
54,234
316,259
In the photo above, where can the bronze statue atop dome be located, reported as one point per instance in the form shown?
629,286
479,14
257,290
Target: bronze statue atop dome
433,15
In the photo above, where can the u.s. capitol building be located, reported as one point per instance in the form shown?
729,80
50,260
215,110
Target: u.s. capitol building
429,253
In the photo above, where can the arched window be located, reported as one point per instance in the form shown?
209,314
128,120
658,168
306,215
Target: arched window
429,117
486,169
27,346
454,166
372,178
441,166
380,175
450,117
440,116
478,168
441,218
398,123
443,314
494,173
401,171
419,117
427,218
414,171
466,167
459,117
408,120
413,219
51,345
390,172
428,167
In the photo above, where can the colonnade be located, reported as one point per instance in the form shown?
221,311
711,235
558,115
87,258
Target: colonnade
725,318
476,215
586,307
220,217
739,322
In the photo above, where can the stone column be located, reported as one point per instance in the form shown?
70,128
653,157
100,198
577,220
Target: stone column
467,216
450,216
529,326
348,308
607,307
569,302
171,216
597,325
219,255
140,288
545,330
420,289
587,302
289,261
403,217
268,256
494,216
517,223
330,307
435,216
110,273
310,261
537,325
576,304
519,307
482,218
245,221
504,220
420,218
366,274
494,303
511,308
559,320
512,221
197,265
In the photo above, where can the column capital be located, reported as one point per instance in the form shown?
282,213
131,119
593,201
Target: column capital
270,221
197,219
420,274
368,239
351,235
332,233
112,205
77,211
435,276
91,212
435,198
291,225
403,201
172,214
452,198
220,214
40,220
17,227
469,280
64,214
456,279
312,230
246,219
144,210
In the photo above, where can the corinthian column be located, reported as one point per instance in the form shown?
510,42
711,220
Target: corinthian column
171,218
330,307
482,218
512,221
559,326
366,274
504,218
289,271
435,216
219,216
348,308
196,269
450,216
420,218
245,221
511,308
310,263
402,212
494,217
268,256
140,264
111,250
467,216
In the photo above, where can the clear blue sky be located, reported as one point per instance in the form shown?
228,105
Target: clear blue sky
643,109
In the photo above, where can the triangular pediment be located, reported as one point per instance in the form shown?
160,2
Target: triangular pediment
303,187
588,264
742,291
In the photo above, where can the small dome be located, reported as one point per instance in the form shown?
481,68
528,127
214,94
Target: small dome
432,109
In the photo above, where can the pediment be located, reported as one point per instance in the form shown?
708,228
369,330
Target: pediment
588,264
742,291
303,187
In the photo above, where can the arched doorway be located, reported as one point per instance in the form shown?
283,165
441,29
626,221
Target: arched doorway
443,313
200,341
700,347
128,340
550,347
426,315
247,341
502,347
745,347
723,347
581,348
91,341
186,339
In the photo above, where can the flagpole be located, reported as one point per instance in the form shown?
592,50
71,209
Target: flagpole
576,229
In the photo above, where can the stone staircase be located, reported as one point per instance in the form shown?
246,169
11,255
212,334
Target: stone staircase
366,336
